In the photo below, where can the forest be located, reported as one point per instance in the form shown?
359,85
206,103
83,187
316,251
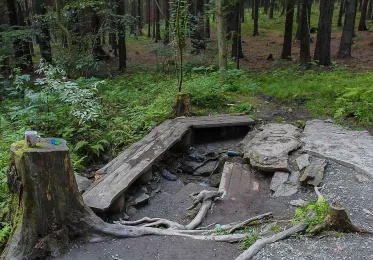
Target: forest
102,73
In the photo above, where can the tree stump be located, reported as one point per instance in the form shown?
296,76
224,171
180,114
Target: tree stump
182,105
47,206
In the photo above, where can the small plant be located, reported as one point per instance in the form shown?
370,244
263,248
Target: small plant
219,231
250,239
313,213
276,228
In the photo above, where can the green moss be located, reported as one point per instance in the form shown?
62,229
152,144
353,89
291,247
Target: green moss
21,147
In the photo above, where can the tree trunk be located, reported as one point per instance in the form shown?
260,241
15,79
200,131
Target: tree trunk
236,37
166,39
221,37
348,30
114,43
305,56
139,20
363,17
207,19
148,17
322,50
256,18
271,9
288,35
98,51
157,24
369,12
341,12
121,36
182,105
299,11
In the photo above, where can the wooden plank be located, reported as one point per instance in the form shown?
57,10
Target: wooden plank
104,193
121,172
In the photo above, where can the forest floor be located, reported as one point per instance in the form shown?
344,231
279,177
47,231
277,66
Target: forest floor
256,51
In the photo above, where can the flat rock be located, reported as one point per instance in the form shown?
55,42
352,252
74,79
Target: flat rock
82,182
269,149
284,190
206,169
303,161
278,179
352,149
314,173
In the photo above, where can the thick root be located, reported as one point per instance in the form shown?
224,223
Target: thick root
199,197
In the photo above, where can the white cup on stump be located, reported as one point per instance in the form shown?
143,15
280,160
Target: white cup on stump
32,138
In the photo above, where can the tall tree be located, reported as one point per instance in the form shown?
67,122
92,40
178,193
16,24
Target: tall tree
121,35
40,9
363,17
322,50
207,19
148,17
256,18
348,30
341,12
236,35
157,22
288,35
369,12
139,18
305,56
221,37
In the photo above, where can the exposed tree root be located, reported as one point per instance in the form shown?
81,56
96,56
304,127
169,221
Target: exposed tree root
261,243
250,220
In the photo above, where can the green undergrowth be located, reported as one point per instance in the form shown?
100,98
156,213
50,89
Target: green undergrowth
313,213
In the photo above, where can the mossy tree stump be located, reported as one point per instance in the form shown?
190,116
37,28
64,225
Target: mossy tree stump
47,208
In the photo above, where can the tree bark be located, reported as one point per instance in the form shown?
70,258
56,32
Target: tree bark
341,12
139,18
149,18
363,17
221,37
236,39
207,19
288,35
121,36
305,56
369,12
256,18
348,30
322,49
157,24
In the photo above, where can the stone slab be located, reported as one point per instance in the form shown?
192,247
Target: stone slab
121,172
353,149
269,149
